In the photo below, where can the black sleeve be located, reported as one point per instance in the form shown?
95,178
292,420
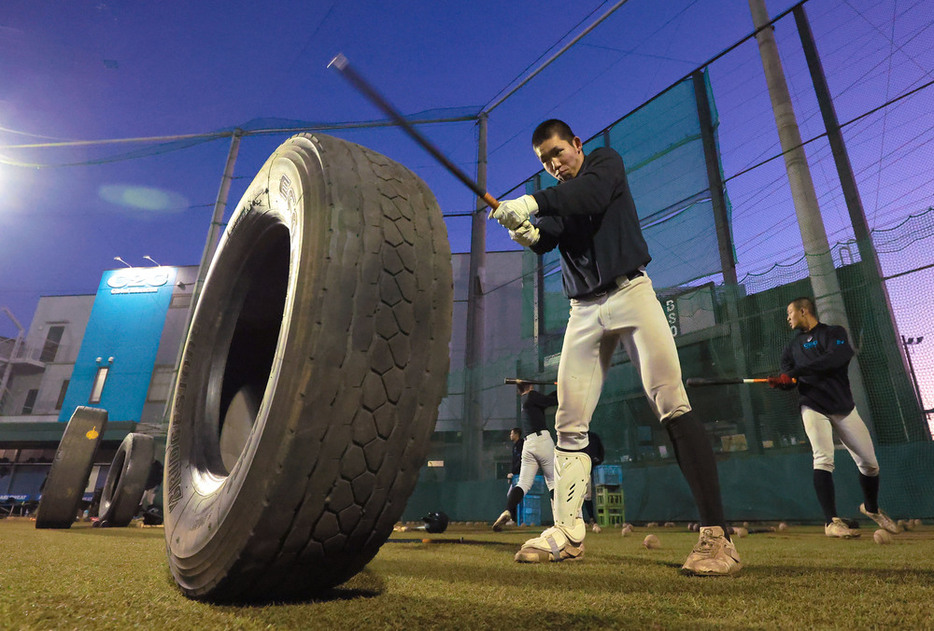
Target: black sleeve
589,193
787,363
543,401
837,354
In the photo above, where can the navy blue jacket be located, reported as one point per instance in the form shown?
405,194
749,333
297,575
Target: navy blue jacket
533,410
592,220
818,359
517,456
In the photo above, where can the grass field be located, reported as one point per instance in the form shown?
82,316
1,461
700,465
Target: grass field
89,578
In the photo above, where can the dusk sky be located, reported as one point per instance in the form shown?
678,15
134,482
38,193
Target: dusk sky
76,70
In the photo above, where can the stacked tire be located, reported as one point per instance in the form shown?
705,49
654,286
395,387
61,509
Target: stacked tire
64,487
126,480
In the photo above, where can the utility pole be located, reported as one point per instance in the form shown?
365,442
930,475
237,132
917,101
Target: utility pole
906,342
879,304
473,356
727,260
823,276
210,244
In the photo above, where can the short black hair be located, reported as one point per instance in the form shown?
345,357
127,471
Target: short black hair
805,303
552,127
517,430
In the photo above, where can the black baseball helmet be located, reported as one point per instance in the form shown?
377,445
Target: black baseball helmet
435,522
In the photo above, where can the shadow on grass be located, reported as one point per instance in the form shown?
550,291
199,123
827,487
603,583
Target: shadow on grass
461,540
842,574
364,585
114,532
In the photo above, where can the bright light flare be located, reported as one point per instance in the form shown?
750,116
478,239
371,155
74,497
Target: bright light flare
143,198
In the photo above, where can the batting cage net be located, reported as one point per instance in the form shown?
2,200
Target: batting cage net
728,257
725,224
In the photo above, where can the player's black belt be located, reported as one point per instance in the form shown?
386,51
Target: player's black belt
616,284
540,432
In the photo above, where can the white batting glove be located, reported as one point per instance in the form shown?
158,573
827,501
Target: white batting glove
525,235
512,212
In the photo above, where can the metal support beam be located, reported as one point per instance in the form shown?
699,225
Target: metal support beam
210,245
879,302
473,356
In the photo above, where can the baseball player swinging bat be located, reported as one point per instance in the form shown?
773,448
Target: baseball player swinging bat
513,380
694,382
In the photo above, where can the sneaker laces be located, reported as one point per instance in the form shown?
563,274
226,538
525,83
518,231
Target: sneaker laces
706,544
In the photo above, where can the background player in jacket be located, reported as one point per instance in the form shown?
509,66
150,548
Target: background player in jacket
816,361
515,436
538,449
591,218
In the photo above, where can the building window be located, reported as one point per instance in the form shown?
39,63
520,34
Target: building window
52,341
180,301
98,388
61,395
161,384
30,401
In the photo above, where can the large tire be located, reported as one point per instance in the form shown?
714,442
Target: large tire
326,316
71,468
126,480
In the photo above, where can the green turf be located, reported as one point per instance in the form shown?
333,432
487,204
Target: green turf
88,578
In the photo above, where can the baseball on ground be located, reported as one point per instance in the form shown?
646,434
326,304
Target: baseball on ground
651,542
882,537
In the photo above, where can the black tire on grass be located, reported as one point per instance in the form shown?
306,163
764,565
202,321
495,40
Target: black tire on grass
126,480
68,477
330,295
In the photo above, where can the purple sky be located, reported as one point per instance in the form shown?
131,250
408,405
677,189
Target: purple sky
74,70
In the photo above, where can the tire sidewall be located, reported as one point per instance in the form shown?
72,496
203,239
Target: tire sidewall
198,502
71,468
126,480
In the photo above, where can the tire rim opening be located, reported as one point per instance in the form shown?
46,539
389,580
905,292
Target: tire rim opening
259,291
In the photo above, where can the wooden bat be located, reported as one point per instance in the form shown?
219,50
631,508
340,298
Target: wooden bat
695,382
342,65
531,381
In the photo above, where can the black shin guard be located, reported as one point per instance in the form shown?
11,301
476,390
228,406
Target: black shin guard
512,501
699,467
870,486
823,486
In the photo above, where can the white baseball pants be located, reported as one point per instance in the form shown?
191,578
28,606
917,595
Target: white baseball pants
538,451
630,315
853,434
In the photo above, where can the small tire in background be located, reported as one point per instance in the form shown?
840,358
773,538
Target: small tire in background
126,480
68,477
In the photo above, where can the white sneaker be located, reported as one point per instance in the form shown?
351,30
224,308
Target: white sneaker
713,555
501,521
552,545
596,527
882,519
837,528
